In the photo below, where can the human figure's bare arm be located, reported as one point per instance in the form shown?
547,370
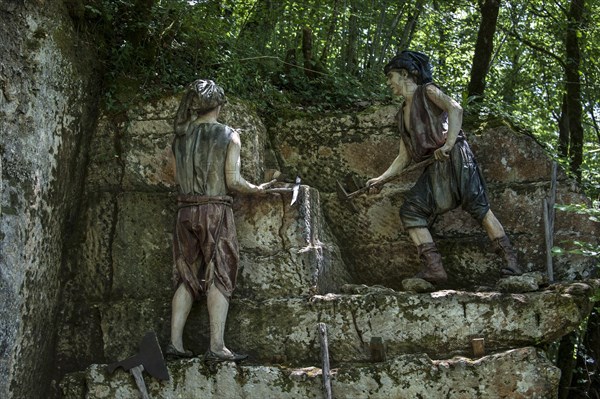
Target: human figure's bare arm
401,161
454,111
233,178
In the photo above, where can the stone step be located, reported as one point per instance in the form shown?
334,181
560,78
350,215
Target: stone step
375,244
441,323
518,373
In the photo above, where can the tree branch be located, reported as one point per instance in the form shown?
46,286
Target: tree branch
269,57
534,46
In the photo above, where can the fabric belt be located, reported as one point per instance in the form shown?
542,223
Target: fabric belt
185,200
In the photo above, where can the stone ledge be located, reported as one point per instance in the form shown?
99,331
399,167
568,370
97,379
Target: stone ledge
517,373
440,323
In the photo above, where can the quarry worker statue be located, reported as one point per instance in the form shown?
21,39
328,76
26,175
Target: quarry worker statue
205,246
430,126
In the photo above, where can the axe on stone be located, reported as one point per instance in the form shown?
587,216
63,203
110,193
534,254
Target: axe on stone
294,190
149,358
346,197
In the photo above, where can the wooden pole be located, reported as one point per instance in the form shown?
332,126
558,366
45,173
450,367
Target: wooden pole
322,328
548,205
548,239
377,347
478,345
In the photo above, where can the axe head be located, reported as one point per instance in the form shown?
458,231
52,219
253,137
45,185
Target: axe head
341,192
150,357
343,197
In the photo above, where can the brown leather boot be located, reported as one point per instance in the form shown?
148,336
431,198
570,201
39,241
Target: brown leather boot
432,270
503,248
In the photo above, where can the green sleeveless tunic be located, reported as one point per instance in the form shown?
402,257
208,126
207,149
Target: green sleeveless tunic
200,156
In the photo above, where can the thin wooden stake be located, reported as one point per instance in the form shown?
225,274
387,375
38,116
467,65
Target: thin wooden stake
548,204
322,328
548,239
478,345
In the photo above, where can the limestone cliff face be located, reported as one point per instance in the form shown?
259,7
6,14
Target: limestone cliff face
48,100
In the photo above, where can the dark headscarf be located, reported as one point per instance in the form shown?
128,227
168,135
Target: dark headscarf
415,63
210,95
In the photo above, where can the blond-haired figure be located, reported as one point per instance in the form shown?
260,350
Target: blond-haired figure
205,246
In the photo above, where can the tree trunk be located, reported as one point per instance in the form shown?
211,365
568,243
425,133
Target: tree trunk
484,47
350,51
573,85
595,124
508,86
566,362
376,39
307,51
441,30
312,67
391,31
329,38
260,25
369,37
409,28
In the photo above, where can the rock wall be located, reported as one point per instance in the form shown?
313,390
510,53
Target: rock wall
48,101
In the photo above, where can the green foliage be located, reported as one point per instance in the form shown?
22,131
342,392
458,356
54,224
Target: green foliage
254,48
153,47
157,46
580,247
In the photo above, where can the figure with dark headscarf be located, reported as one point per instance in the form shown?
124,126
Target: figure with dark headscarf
430,127
205,246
